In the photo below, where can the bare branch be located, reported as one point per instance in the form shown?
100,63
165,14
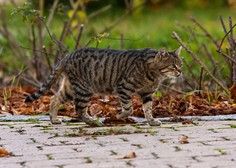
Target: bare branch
47,58
222,41
105,8
76,6
205,31
79,36
213,63
199,62
52,11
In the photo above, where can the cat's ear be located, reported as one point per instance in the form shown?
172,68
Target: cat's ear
162,52
178,50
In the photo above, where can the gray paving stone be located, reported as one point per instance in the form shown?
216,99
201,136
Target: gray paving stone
211,144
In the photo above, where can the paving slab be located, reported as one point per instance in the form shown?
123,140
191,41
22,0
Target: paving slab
39,144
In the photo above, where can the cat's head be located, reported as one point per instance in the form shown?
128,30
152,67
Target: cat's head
169,64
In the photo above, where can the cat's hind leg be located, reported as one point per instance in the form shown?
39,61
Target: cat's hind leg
63,95
54,105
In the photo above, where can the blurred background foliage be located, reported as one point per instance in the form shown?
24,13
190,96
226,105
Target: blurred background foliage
117,24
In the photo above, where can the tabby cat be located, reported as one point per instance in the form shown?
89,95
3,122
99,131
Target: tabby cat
91,71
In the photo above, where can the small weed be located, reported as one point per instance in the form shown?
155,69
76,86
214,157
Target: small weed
190,93
152,132
232,125
33,140
73,134
33,120
23,164
94,138
54,135
129,163
88,160
209,97
49,156
225,138
113,152
100,144
10,125
173,128
155,155
212,130
177,149
20,131
70,124
136,126
60,166
138,131
137,145
44,127
169,106
63,142
162,141
124,139
39,147
222,152
76,150
158,94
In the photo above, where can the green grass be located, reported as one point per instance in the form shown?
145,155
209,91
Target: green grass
146,28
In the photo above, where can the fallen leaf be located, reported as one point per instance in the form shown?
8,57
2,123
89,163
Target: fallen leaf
4,152
187,122
130,156
184,140
95,109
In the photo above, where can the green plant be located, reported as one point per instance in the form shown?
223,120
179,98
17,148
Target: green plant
158,94
222,152
232,125
88,160
49,156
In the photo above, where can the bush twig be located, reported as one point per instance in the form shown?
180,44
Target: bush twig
175,35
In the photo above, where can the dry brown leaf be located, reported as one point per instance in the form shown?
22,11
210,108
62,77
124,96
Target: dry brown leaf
95,109
130,156
181,105
4,152
187,122
184,140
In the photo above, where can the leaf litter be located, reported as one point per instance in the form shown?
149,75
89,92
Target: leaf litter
168,105
4,152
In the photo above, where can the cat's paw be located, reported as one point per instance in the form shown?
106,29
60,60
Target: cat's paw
95,123
55,121
122,116
154,122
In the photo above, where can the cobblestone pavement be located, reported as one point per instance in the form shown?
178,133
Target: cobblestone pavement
209,144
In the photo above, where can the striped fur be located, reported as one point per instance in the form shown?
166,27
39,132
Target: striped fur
90,71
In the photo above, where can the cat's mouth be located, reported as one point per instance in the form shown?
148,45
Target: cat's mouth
174,74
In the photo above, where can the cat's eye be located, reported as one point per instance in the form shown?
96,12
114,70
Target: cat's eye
173,66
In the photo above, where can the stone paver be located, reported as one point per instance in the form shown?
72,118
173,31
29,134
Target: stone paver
212,144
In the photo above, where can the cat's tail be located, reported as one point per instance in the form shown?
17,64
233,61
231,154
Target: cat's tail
56,72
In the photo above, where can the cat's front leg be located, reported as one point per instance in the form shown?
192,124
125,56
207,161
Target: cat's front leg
147,108
126,109
125,98
81,106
